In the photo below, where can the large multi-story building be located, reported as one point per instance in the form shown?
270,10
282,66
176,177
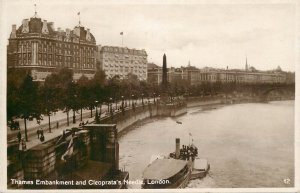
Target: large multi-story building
173,74
38,47
154,74
196,76
121,61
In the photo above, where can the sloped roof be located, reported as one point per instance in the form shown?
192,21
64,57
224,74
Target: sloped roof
152,65
35,25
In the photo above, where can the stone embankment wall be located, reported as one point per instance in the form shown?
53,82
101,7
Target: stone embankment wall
132,116
129,117
43,159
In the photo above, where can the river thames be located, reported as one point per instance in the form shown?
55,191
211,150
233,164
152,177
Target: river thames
247,145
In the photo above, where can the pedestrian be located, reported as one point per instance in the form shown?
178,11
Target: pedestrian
42,138
23,144
18,125
19,135
42,132
38,132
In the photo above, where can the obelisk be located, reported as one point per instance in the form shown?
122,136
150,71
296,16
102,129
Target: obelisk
164,74
164,84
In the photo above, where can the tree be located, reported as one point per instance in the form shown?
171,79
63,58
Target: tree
97,91
49,98
15,78
83,93
113,90
62,82
28,105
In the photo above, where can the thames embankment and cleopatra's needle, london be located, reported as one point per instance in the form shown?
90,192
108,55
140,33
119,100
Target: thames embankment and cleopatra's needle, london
109,91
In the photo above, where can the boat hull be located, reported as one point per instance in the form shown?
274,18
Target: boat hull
196,174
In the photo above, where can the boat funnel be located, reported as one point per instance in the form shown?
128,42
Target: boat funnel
177,150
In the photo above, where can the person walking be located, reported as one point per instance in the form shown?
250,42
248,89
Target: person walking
19,135
38,132
42,138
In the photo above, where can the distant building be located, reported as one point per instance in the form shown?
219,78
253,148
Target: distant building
154,74
37,46
196,76
121,61
173,74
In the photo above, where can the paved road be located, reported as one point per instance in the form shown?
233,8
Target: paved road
60,118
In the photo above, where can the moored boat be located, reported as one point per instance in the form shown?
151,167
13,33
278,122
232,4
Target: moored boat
200,169
176,170
167,173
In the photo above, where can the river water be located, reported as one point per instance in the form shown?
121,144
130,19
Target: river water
247,145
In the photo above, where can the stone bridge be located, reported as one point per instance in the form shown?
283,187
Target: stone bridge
275,93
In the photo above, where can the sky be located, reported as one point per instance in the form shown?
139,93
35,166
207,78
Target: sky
215,34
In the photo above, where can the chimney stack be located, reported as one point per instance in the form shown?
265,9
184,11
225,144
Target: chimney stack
51,24
88,35
25,26
45,27
14,31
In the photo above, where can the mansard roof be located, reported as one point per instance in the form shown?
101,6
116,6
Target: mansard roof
116,49
35,26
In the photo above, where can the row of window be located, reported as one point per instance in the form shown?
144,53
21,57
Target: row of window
50,46
57,63
125,63
124,50
128,61
237,78
113,56
112,74
132,66
58,51
125,70
50,57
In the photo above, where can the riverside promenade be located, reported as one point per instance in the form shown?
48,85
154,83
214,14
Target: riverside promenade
61,118
58,123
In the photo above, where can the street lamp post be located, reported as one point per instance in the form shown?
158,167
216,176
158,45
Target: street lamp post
132,100
74,117
96,116
122,105
48,113
110,99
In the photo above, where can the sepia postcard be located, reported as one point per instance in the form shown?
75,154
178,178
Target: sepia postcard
150,96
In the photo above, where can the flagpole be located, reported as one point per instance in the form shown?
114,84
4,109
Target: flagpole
122,33
79,18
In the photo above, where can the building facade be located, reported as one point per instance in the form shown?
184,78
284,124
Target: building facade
38,47
173,74
154,74
196,76
121,61
237,76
